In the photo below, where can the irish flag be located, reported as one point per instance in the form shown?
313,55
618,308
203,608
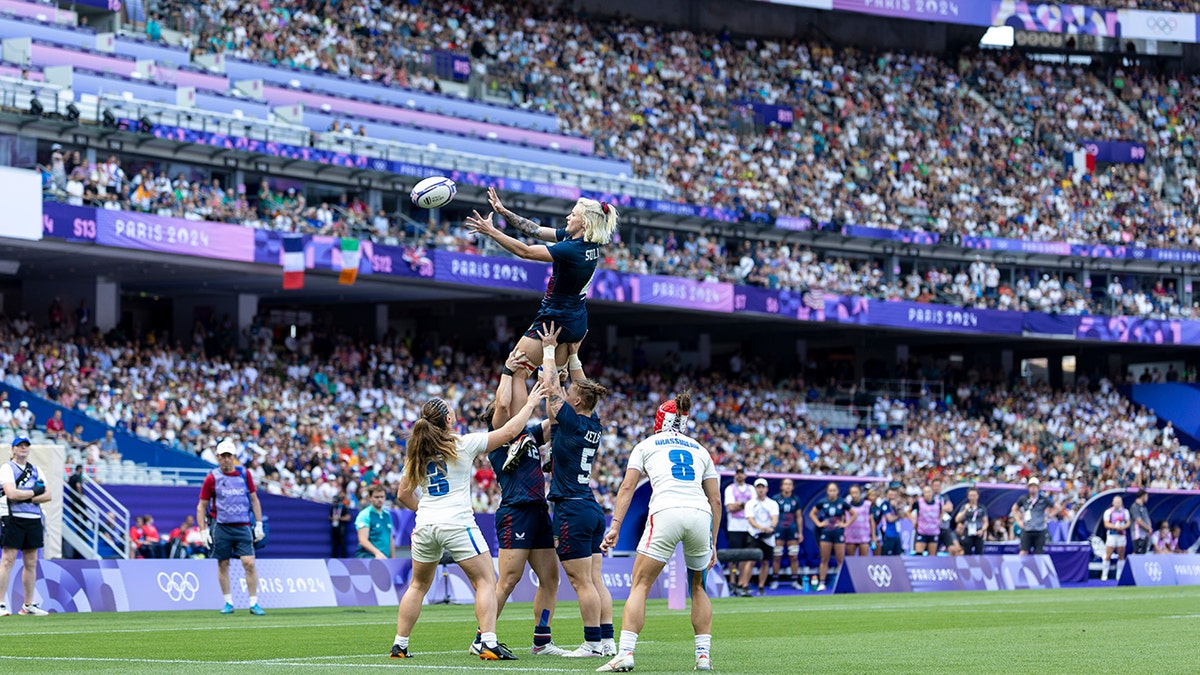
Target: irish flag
350,258
293,262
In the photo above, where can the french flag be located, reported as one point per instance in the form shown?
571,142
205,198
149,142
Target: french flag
1081,162
293,262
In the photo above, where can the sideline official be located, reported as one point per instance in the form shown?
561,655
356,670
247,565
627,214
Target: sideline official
24,494
227,499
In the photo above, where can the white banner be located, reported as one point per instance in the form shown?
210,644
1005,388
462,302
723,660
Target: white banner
1166,26
21,194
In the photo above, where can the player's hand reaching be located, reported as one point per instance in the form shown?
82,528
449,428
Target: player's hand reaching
496,204
548,334
477,224
517,360
536,394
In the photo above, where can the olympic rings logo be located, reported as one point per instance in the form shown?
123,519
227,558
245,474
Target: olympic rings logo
1162,24
1154,571
179,586
880,575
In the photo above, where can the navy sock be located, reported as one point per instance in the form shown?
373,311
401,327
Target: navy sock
606,631
541,635
591,633
478,636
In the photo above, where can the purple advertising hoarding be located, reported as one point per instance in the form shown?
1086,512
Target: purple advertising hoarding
73,223
684,293
905,236
901,574
1049,17
1156,569
1116,152
942,317
969,12
473,270
148,232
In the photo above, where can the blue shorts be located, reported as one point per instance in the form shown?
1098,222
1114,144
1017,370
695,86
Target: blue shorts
787,533
524,526
574,324
581,528
232,541
835,536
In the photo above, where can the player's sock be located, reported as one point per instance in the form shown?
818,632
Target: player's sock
628,641
1104,569
401,642
1120,568
478,636
228,598
703,644
488,639
591,635
541,635
607,632
253,600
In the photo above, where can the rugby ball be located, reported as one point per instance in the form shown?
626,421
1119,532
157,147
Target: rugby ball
433,193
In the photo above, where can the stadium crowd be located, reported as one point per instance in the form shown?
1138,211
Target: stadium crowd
887,139
329,415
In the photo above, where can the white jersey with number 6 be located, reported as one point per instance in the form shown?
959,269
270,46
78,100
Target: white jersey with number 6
676,466
447,498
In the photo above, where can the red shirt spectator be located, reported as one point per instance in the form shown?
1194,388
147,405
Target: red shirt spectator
54,425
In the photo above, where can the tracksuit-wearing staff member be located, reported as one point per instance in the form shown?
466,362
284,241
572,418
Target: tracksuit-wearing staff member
974,521
24,494
1031,512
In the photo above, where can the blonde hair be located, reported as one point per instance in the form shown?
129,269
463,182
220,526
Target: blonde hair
429,441
599,221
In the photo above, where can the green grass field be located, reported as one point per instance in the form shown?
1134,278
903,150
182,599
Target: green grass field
1067,631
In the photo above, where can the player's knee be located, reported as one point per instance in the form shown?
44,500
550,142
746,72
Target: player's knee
778,551
793,550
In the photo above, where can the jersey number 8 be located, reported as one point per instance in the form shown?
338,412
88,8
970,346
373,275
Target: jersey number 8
438,485
681,465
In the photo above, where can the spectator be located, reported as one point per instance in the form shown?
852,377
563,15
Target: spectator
1031,512
54,426
339,518
23,418
151,541
1139,516
374,527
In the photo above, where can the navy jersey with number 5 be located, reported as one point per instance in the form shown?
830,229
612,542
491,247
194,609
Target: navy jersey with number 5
524,483
576,439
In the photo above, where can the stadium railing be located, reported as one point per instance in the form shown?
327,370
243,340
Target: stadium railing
95,523
198,120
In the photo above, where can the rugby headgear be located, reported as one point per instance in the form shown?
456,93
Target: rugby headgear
668,418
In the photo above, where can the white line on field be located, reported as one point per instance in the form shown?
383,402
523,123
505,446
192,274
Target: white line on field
289,664
1182,616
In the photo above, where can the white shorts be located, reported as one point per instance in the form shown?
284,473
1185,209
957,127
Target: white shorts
1115,541
461,542
666,528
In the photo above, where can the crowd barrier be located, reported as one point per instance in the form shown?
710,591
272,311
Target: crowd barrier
174,584
907,574
1070,560
1155,569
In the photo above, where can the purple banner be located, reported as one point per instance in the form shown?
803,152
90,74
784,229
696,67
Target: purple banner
767,113
969,12
1048,17
1070,560
73,223
942,317
473,270
1116,152
901,574
1157,569
685,293
1130,329
799,224
451,66
148,232
1017,245
905,236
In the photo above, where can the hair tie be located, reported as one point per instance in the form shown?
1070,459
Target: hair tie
440,407
604,207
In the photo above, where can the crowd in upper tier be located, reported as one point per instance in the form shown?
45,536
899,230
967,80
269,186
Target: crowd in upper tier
972,144
325,415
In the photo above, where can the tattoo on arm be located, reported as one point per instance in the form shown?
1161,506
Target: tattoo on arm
554,403
521,223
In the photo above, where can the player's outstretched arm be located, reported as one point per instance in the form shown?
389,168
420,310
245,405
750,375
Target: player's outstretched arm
521,223
548,334
514,426
477,224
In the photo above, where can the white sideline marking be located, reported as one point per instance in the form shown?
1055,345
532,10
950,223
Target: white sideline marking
1182,616
287,664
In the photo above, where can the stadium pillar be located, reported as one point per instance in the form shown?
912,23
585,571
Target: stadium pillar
704,351
247,309
381,320
108,304
610,337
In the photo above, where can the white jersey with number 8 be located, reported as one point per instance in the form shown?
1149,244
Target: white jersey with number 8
676,466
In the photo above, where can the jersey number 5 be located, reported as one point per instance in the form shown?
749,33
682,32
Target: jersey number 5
585,465
681,465
438,485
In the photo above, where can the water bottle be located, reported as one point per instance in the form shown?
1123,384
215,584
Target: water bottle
807,587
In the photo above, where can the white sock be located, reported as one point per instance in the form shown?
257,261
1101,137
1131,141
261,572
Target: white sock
401,642
1120,568
703,644
253,600
228,598
628,641
1104,568
488,639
